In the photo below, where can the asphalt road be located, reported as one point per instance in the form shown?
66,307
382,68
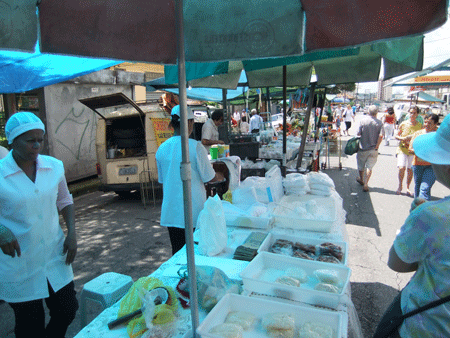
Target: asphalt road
123,236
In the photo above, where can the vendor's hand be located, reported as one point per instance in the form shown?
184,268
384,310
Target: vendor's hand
70,247
8,242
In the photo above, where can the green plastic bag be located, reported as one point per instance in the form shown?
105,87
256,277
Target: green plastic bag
352,146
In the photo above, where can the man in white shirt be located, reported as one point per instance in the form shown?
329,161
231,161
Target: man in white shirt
210,130
255,121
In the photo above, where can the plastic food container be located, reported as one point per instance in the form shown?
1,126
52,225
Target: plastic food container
260,275
272,238
287,206
260,307
248,221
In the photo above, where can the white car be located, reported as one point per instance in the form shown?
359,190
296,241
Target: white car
277,120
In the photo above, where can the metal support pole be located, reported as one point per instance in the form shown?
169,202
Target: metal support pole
186,169
306,125
283,165
316,136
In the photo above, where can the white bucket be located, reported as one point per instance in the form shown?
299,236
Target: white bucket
111,152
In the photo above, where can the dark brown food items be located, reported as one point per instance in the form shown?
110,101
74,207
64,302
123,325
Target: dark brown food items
328,259
328,248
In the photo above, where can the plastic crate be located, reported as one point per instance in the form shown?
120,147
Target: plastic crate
245,150
260,274
272,238
246,172
259,307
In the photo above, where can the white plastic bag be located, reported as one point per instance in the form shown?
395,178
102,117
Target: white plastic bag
213,230
275,182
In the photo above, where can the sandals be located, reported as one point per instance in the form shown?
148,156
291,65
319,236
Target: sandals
366,189
359,181
409,193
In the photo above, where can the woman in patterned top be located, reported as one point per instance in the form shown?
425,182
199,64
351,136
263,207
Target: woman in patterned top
423,246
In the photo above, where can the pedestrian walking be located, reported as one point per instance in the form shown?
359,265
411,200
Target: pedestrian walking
370,139
424,177
348,115
404,156
389,123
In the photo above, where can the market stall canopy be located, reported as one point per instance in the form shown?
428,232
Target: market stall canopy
21,71
142,30
422,97
355,64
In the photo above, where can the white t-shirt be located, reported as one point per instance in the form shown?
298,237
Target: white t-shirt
348,115
30,211
168,160
244,127
255,122
210,132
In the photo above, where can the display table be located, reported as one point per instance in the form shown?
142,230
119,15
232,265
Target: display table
168,274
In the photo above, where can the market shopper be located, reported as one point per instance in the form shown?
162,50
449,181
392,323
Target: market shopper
348,116
255,121
244,127
370,133
338,118
36,258
168,160
404,156
423,246
389,123
424,177
210,130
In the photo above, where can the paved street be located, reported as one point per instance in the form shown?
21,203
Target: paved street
122,236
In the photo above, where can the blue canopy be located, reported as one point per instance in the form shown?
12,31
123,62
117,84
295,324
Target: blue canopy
21,71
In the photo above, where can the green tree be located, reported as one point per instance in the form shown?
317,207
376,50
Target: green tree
342,88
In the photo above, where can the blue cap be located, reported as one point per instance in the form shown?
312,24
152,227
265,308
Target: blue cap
20,123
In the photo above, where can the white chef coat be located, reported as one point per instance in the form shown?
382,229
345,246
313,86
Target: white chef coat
29,210
168,159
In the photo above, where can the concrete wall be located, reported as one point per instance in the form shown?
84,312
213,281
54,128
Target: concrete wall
71,125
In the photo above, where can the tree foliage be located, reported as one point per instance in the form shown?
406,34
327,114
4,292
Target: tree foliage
342,88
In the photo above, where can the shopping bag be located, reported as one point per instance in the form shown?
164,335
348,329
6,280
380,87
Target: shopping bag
352,146
212,226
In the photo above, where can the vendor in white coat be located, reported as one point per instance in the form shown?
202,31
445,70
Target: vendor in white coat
36,257
168,160
210,130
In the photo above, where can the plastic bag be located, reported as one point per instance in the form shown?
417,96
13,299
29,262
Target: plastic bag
212,285
352,146
275,182
213,230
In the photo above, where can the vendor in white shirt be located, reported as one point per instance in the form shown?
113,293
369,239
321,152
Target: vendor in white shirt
255,121
36,256
210,130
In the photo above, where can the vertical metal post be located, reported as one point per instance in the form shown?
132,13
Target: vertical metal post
306,125
316,136
186,168
283,165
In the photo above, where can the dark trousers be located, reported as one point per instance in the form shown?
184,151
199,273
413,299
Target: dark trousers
394,310
30,316
177,238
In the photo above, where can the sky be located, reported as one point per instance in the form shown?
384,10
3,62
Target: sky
436,50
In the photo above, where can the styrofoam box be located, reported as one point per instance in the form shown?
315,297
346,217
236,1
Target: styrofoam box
272,238
260,307
320,225
260,275
248,221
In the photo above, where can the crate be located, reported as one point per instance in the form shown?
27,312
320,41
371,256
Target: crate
245,150
272,238
246,172
259,307
260,274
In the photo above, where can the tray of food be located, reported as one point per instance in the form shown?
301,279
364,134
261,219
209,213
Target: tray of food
251,317
312,282
306,248
305,212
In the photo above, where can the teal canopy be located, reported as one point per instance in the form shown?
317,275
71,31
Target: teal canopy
358,64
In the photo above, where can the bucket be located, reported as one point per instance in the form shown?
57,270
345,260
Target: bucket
214,152
111,152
